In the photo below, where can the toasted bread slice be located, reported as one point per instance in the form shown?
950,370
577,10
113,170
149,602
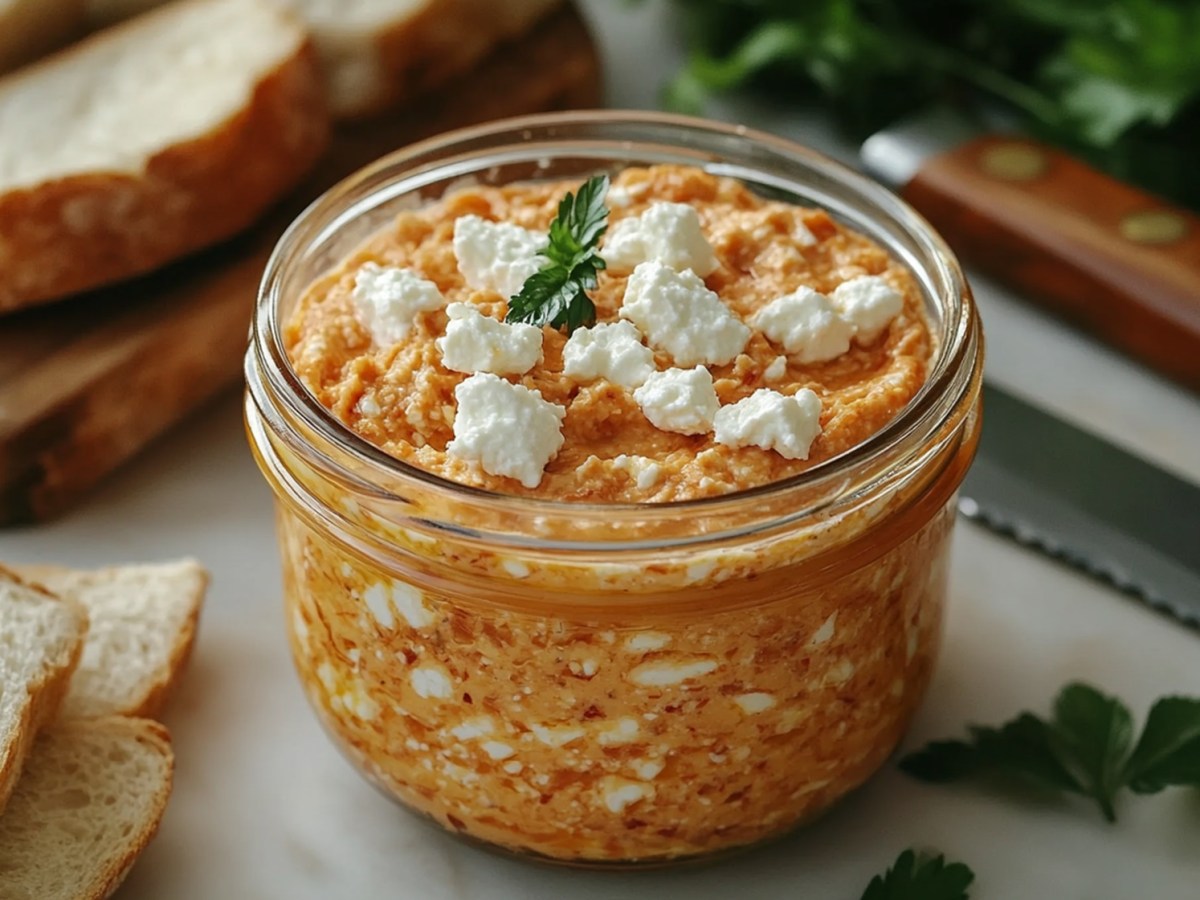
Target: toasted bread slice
152,139
142,625
90,800
30,28
41,637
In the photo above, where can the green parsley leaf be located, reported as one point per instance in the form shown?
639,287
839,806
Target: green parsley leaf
1169,750
1087,749
914,877
556,294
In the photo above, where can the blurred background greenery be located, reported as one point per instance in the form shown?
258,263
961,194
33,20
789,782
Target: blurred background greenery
1115,81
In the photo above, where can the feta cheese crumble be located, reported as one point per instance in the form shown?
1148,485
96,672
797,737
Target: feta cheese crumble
806,325
868,303
773,421
610,350
680,400
644,471
478,343
496,256
387,300
507,428
678,313
668,233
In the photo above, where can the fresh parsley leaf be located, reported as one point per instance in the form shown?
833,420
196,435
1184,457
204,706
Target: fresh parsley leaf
914,877
1086,749
556,294
1169,750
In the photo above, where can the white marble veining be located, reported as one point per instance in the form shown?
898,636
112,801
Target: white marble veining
265,809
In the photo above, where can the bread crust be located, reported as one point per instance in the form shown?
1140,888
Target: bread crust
83,231
43,697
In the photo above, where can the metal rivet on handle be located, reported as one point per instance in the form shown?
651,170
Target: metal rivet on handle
1153,226
1013,161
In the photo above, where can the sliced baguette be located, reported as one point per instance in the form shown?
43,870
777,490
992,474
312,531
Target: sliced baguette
142,625
91,798
152,139
41,637
30,28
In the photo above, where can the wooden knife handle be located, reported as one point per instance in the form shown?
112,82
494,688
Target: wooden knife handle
1118,262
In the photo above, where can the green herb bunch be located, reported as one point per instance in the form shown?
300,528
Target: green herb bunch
1115,81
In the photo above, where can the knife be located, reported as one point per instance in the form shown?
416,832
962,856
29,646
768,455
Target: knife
1064,491
1116,261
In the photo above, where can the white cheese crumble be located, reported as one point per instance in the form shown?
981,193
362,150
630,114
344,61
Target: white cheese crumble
646,641
773,421
497,749
387,300
622,731
678,313
661,673
620,792
556,736
644,471
806,325
648,769
869,304
478,343
776,370
368,406
754,702
680,400
406,600
496,256
823,634
668,233
469,729
429,683
507,428
611,350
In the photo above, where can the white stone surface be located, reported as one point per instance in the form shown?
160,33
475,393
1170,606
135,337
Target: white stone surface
266,809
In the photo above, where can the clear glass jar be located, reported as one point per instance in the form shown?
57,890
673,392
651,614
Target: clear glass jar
614,684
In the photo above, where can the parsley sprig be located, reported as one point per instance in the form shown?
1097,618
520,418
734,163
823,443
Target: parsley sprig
921,877
1087,749
556,294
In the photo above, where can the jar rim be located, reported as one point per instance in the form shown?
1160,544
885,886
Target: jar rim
270,374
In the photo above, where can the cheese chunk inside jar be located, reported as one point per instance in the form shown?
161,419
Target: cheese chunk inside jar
657,587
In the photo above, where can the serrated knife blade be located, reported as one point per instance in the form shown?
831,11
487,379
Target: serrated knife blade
1073,495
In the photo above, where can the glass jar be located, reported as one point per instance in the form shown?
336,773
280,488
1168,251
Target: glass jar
614,684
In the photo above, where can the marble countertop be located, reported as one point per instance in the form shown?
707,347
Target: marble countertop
264,807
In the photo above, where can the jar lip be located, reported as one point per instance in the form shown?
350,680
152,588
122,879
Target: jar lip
267,345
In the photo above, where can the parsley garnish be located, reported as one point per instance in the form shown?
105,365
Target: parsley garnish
556,294
1087,749
914,877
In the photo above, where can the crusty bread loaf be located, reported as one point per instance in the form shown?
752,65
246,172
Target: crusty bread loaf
106,12
31,28
152,139
40,641
142,621
91,798
378,53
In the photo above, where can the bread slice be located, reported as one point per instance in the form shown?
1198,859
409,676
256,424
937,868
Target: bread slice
41,637
90,800
150,140
379,53
142,625
30,28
